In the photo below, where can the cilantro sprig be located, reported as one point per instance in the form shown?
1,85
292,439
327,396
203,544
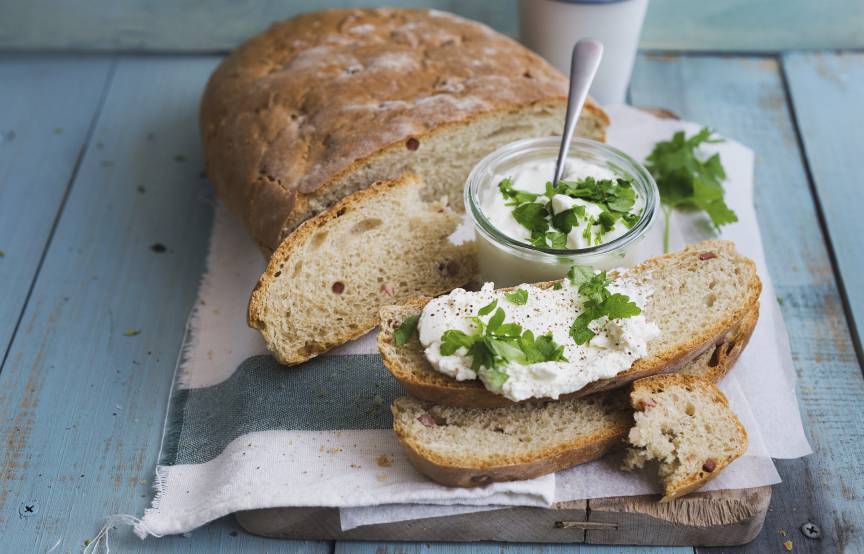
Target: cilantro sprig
685,180
614,197
598,302
494,344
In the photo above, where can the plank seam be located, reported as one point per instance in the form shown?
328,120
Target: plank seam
820,215
91,128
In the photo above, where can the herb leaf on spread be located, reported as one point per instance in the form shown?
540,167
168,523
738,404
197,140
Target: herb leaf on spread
487,309
614,197
494,344
405,330
685,180
519,297
599,302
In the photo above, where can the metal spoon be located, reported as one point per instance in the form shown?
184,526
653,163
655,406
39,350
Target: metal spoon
583,67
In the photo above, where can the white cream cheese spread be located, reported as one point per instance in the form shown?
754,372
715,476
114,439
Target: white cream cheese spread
598,215
614,348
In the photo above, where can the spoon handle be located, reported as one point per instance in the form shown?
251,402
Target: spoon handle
583,66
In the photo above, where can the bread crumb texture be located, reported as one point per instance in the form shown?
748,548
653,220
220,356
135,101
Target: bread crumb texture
684,423
519,434
326,282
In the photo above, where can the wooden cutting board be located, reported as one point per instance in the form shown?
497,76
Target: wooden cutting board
719,518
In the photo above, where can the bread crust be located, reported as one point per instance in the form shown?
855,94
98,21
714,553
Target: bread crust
546,461
295,110
441,389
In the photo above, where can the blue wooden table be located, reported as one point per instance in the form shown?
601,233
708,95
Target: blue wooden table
100,167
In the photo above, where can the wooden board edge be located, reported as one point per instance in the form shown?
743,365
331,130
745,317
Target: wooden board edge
718,518
715,518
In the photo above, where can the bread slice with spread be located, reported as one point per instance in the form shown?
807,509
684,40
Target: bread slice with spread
700,295
468,447
685,424
325,283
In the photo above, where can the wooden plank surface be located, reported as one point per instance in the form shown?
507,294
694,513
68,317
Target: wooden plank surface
219,25
47,108
745,98
84,388
71,362
826,93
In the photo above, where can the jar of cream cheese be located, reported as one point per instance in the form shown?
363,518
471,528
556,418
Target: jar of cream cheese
602,208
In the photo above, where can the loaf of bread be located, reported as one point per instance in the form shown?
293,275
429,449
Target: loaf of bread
469,447
684,423
326,282
327,103
701,295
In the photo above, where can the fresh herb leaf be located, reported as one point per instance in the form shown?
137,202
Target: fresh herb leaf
533,216
619,306
495,321
454,339
487,309
495,378
606,220
579,329
685,180
515,196
549,350
557,286
579,274
519,297
566,220
505,350
405,330
556,239
599,302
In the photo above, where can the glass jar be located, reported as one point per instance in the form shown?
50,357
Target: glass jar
507,261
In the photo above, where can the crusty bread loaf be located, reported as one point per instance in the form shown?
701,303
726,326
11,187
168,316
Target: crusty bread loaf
700,295
684,423
327,103
466,447
326,281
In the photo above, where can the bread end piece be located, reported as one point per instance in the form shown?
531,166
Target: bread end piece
683,422
325,283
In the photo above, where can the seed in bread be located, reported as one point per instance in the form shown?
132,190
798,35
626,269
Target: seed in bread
325,283
686,425
326,103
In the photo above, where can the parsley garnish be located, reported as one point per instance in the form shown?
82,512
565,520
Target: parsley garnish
519,297
405,330
598,302
516,197
494,344
614,197
686,181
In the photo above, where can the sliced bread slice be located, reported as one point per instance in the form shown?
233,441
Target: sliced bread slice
468,447
700,295
685,424
325,283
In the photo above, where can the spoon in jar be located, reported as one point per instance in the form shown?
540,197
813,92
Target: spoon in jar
583,66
